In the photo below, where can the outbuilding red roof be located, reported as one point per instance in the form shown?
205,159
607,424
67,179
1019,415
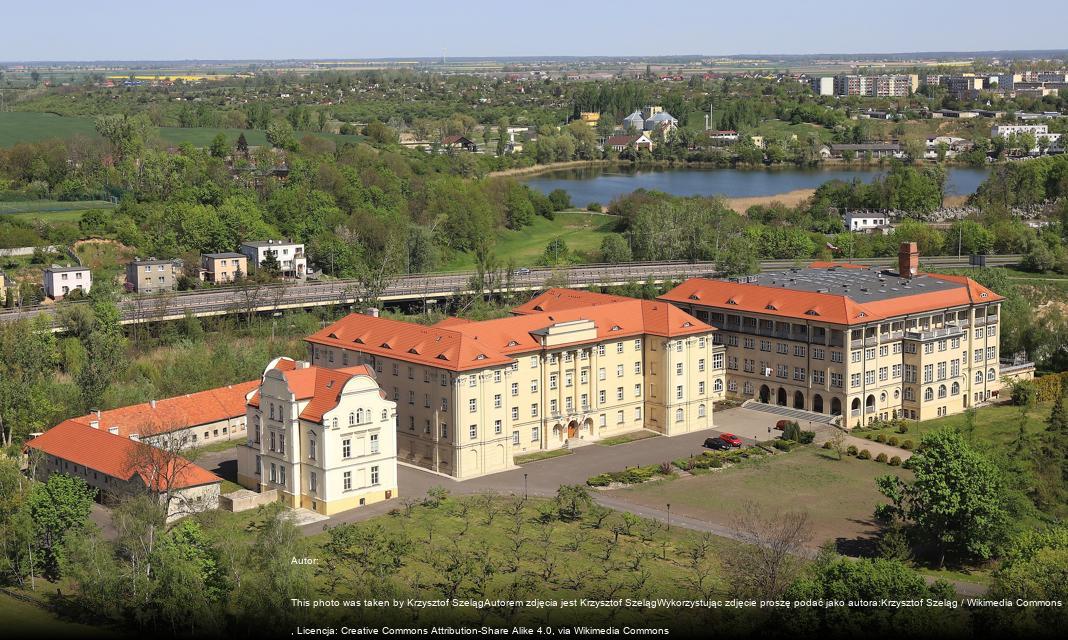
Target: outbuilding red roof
118,456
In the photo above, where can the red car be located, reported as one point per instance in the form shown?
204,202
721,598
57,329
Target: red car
731,439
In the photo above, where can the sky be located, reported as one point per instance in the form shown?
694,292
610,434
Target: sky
341,29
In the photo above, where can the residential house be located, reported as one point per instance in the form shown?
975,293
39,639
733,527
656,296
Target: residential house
60,281
290,255
152,275
623,142
218,268
458,143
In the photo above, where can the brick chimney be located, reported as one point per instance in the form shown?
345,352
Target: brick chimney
908,260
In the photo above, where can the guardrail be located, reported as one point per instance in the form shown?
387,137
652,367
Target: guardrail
286,295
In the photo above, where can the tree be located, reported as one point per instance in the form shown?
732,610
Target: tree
1035,567
615,250
956,501
280,135
570,500
556,252
28,357
219,147
57,508
768,562
105,348
560,199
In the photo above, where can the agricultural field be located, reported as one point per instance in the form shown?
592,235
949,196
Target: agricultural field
51,211
16,127
582,231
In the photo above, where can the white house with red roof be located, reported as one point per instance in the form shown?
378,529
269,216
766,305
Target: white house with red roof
324,439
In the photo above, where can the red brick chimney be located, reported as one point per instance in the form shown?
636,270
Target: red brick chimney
908,260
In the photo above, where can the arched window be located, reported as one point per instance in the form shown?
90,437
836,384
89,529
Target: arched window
990,375
942,391
359,416
272,411
955,389
897,394
334,423
678,415
928,394
882,398
717,386
352,418
700,411
978,377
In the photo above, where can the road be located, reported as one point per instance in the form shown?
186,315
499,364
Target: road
429,287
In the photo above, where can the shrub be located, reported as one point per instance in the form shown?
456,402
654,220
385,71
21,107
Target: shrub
828,445
864,455
599,480
907,445
895,461
594,207
715,463
807,437
881,457
881,438
782,445
665,469
902,426
851,450
892,441
868,436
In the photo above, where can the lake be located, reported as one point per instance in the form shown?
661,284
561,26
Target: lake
601,184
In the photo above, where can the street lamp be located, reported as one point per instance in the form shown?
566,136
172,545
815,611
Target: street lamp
669,515
524,486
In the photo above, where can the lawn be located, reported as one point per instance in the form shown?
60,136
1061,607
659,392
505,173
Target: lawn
839,495
995,425
582,231
21,619
104,255
542,455
627,437
781,129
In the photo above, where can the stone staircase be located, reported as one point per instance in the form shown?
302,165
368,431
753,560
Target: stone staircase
800,415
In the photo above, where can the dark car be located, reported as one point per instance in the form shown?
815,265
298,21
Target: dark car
717,443
731,439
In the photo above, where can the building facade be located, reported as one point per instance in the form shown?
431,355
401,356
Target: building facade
569,367
290,255
152,275
324,438
60,281
117,467
852,341
219,268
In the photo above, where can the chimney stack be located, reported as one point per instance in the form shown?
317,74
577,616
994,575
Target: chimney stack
372,311
908,260
152,403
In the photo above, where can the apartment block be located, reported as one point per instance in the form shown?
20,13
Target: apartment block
152,275
566,369
876,86
324,438
854,341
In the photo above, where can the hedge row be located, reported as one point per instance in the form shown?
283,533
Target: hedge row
716,459
634,475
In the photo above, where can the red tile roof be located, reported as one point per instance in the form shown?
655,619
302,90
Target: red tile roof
117,456
461,346
320,385
180,412
825,307
560,299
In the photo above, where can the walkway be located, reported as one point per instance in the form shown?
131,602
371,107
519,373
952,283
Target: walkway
800,415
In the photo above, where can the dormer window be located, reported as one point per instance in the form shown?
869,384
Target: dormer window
687,324
385,345
358,340
731,301
771,307
480,356
616,327
694,296
512,343
812,312
982,295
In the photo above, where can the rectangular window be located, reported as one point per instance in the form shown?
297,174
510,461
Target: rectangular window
637,413
515,413
472,431
701,365
281,475
678,392
619,393
497,401
497,427
515,437
311,448
678,368
515,388
638,368
552,381
535,434
619,371
313,481
533,386
534,410
836,356
638,344
374,443
374,475
638,390
601,374
533,362
472,405
444,431
346,448
601,396
346,480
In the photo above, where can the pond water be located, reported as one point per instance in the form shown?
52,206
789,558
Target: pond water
601,184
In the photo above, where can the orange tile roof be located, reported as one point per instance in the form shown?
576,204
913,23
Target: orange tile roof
116,456
461,346
824,307
322,387
179,412
560,299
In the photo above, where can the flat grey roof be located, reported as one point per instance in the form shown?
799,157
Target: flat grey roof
58,269
862,285
229,254
266,243
156,261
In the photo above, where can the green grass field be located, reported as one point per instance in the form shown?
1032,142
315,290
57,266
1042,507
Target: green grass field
23,619
839,495
995,426
20,126
781,129
583,233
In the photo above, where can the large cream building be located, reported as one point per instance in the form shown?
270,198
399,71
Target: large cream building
324,439
854,341
567,368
